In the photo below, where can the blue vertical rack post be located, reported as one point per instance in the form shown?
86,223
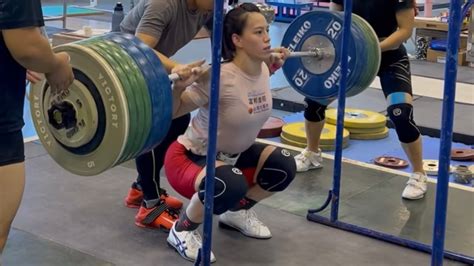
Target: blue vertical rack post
205,251
341,107
437,249
450,74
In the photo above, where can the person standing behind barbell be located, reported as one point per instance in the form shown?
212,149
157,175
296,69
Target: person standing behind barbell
166,26
393,22
21,47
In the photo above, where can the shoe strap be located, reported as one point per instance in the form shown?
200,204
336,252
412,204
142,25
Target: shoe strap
304,155
310,155
155,213
415,182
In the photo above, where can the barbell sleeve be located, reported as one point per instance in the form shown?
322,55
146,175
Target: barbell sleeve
311,53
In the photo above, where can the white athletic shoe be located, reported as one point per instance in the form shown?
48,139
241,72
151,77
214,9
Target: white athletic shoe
416,187
186,243
246,222
307,160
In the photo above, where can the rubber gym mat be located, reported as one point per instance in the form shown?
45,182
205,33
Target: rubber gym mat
427,113
24,248
54,207
372,199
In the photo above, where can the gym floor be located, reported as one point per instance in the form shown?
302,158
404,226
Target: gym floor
70,220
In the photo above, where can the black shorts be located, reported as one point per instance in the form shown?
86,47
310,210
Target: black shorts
12,149
394,72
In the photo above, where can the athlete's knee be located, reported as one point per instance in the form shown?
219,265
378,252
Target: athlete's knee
314,111
401,115
230,186
278,171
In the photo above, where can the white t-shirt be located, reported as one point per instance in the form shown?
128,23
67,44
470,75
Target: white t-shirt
245,104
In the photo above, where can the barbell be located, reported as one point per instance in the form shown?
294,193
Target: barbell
120,103
322,30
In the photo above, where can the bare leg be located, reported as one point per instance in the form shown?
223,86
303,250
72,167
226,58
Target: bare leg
195,209
313,134
12,184
414,151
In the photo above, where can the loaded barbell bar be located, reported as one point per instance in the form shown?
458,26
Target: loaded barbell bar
119,105
317,53
62,115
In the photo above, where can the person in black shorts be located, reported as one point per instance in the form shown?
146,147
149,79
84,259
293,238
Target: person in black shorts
22,47
393,22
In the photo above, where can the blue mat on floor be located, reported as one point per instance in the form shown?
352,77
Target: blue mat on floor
54,11
29,129
367,150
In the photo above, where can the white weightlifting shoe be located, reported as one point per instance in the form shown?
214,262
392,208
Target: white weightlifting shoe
307,160
186,243
416,187
246,222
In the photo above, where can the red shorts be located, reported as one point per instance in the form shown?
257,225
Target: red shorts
182,168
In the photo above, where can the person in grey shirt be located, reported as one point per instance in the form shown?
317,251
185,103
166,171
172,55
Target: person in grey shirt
166,26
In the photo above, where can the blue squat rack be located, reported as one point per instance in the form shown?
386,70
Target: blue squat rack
437,248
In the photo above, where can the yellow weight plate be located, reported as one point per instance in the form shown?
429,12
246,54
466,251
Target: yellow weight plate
292,142
287,141
296,132
367,136
327,142
357,118
353,130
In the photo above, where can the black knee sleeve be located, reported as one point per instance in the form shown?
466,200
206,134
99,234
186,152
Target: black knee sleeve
401,116
230,186
314,111
277,171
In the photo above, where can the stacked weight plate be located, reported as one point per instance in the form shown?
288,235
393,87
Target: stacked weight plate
118,107
372,57
361,124
318,79
271,128
294,134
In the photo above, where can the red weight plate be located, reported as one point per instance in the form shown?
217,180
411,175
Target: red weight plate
391,162
462,154
271,128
